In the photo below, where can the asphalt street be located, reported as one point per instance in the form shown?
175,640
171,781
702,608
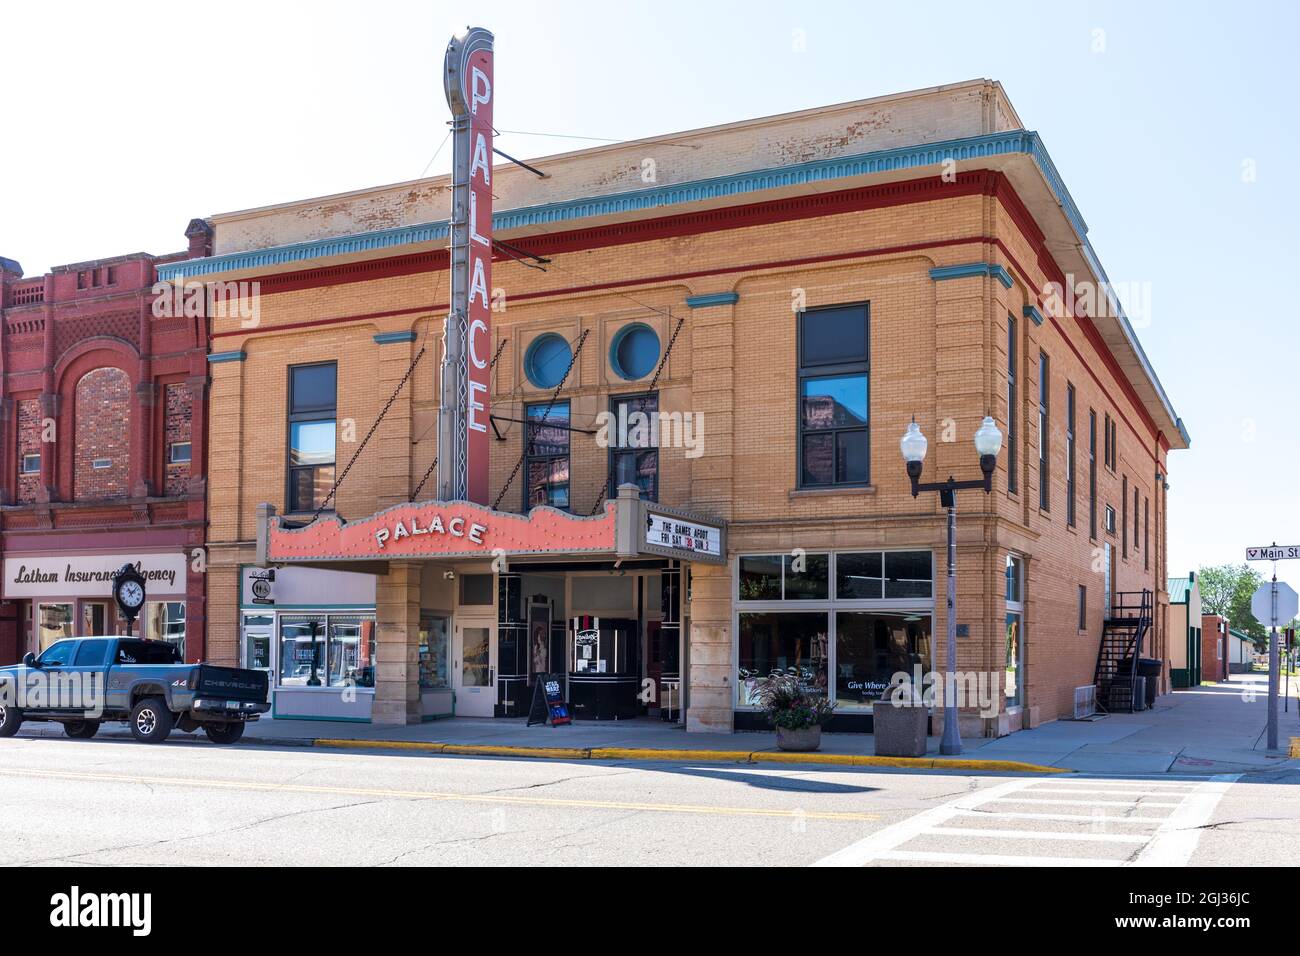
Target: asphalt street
189,802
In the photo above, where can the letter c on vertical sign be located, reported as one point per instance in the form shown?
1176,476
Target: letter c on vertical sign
475,328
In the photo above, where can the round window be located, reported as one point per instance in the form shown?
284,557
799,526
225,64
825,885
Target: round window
547,359
635,351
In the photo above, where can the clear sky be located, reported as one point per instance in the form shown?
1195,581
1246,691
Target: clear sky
1174,125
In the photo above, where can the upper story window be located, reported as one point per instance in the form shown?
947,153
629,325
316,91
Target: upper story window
633,453
546,455
547,359
31,464
1092,474
1069,454
1012,397
1014,580
313,391
834,366
1110,520
634,353
1044,427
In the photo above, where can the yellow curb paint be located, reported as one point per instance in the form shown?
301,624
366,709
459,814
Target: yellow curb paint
377,744
716,756
494,750
643,753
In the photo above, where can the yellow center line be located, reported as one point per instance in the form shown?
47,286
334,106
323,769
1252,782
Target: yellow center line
438,796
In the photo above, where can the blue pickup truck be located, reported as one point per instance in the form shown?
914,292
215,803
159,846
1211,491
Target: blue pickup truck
83,682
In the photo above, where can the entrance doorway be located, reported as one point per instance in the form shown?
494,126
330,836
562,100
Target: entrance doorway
474,668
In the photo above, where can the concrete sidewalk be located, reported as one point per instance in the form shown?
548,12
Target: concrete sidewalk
1203,730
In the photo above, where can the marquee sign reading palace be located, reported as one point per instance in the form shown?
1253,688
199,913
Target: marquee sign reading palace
463,529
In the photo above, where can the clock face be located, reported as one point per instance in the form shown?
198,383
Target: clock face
131,594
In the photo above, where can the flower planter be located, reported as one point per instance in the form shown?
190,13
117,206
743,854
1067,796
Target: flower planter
899,730
802,740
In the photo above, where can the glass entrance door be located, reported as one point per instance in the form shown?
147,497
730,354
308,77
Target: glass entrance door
474,669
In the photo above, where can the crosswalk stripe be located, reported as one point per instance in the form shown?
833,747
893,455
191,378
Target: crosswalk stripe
1039,835
991,859
1175,842
1114,793
1087,803
1065,817
1172,843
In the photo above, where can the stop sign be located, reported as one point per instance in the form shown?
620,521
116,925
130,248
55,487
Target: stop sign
1261,604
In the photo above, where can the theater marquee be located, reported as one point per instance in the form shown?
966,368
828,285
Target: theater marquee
462,529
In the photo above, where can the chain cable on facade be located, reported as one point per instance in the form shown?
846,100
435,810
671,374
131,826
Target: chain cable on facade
369,434
418,488
663,362
529,432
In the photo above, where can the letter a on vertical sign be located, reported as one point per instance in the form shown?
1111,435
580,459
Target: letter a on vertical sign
467,355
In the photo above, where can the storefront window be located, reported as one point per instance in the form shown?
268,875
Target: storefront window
302,651
433,652
54,622
872,575
781,641
165,621
870,647
351,652
760,578
908,574
807,577
1014,687
790,577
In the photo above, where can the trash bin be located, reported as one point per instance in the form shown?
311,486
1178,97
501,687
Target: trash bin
1151,668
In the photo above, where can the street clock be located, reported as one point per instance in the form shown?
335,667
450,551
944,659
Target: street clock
128,591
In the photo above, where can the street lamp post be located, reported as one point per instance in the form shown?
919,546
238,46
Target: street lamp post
988,442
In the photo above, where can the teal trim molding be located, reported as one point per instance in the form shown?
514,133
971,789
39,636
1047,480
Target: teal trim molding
660,197
939,273
1033,313
714,298
216,357
389,338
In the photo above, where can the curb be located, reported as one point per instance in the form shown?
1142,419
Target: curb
715,756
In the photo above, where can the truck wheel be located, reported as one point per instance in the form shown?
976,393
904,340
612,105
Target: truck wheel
151,721
11,719
225,733
81,729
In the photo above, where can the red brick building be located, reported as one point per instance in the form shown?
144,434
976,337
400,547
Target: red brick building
1214,648
103,403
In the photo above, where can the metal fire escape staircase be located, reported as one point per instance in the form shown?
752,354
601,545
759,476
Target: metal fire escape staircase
1123,632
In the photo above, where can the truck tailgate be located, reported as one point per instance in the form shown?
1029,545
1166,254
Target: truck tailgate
231,683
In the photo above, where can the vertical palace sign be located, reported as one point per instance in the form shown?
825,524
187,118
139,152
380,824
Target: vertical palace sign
467,350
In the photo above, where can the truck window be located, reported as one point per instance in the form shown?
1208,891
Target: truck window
58,653
92,654
146,652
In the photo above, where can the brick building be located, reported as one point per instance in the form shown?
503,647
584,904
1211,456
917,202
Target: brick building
102,435
822,278
1215,652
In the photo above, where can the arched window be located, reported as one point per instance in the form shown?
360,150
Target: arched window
102,464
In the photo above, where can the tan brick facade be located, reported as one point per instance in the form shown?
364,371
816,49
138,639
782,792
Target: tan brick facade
938,351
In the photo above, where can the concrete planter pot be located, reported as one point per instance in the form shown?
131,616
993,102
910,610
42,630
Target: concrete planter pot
900,731
801,741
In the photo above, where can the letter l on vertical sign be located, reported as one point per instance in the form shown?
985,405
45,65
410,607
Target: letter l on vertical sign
466,394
